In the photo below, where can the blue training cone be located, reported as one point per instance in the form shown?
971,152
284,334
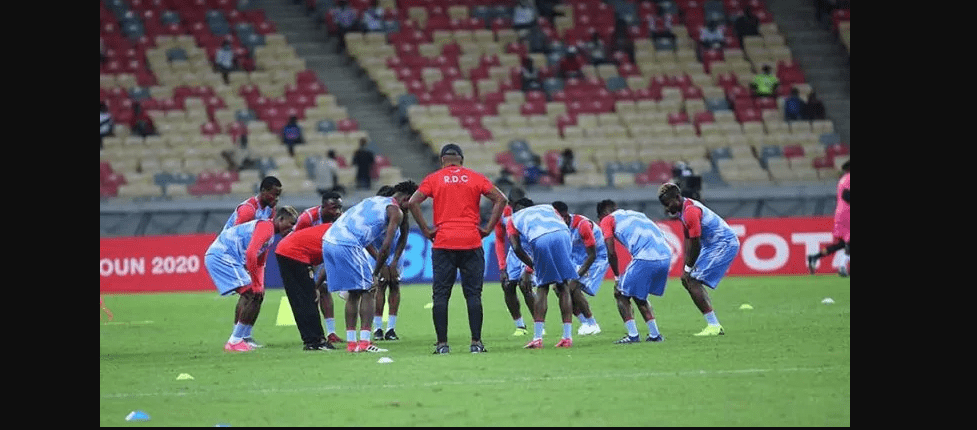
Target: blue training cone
137,416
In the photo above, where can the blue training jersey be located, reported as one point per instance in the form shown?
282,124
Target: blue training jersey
234,241
361,224
578,250
714,227
640,235
535,221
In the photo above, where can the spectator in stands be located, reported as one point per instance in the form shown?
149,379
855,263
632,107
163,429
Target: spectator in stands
661,27
364,159
746,24
765,83
345,18
567,163
571,64
106,124
547,9
373,18
523,18
621,40
712,36
326,173
292,135
596,50
530,75
794,106
224,62
533,171
142,124
814,108
240,157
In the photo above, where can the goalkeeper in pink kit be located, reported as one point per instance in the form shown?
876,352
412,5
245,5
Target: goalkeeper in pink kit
842,226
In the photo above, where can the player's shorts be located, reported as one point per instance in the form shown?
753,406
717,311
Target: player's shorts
514,266
714,260
644,277
842,228
551,258
594,277
347,267
228,274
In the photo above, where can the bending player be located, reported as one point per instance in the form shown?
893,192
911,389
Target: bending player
589,254
513,274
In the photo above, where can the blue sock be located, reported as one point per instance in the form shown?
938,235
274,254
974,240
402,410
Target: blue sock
520,323
711,318
377,322
391,322
247,330
653,328
351,335
364,335
237,334
330,325
591,321
567,328
537,330
583,319
632,327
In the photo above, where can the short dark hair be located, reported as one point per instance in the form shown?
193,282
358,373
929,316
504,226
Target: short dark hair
407,187
524,202
845,167
270,181
330,195
604,204
386,191
561,207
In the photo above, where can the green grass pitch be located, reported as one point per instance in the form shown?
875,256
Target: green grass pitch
786,362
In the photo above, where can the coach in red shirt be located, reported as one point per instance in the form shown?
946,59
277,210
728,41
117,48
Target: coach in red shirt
457,237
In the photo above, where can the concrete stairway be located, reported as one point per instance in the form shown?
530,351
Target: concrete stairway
353,90
823,58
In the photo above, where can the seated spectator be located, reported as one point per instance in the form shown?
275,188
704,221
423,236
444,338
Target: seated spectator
571,64
712,36
224,61
326,172
523,18
292,135
747,24
567,163
240,157
530,75
794,106
621,41
142,124
596,50
765,83
346,19
533,171
814,110
547,9
661,27
373,18
106,124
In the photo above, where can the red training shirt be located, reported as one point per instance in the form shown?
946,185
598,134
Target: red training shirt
304,246
456,192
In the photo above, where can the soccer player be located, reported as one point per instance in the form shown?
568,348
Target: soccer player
457,238
647,273
348,267
257,207
842,226
389,278
236,263
589,254
548,254
260,206
710,248
327,212
298,253
513,273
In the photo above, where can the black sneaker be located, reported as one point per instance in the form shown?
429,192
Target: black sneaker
324,346
658,338
391,335
442,349
478,348
812,263
378,334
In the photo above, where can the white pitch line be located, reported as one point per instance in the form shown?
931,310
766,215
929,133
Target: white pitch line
325,388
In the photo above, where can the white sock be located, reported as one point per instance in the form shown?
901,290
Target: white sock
330,325
632,327
711,318
391,322
377,323
652,328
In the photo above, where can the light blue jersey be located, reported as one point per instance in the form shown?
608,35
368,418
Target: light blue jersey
226,256
260,213
360,225
549,243
720,246
639,235
595,274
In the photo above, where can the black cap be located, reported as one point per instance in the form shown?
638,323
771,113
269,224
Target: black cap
451,147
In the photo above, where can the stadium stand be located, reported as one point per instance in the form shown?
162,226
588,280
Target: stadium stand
453,73
159,54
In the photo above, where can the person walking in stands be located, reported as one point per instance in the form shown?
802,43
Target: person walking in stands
842,226
364,159
710,248
389,279
348,266
236,261
647,273
457,238
327,212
